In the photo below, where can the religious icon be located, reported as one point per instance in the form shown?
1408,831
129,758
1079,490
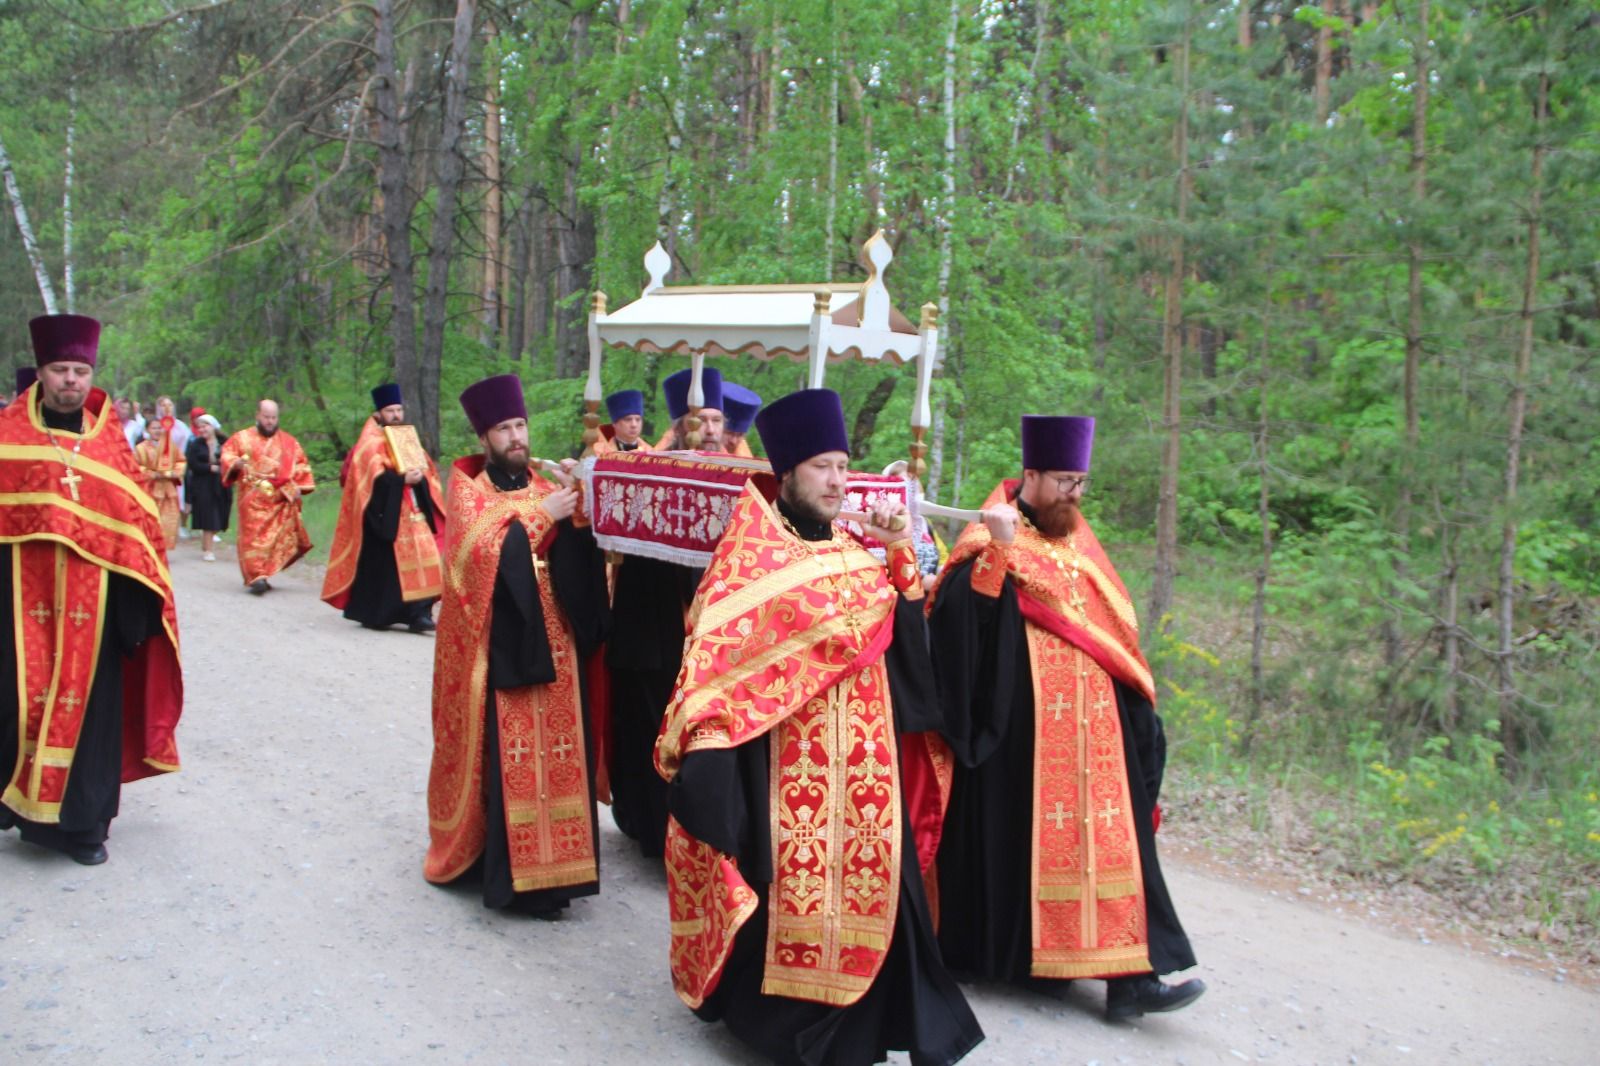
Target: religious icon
405,448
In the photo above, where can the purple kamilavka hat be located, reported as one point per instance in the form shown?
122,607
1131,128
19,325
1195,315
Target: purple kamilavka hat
65,339
492,401
675,387
1057,442
739,407
800,425
620,405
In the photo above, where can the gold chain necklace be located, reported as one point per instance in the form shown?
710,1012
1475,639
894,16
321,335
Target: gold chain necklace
71,478
1075,597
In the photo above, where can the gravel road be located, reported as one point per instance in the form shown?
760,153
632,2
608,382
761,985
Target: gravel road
266,905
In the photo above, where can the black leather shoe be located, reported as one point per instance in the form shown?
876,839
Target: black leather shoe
88,854
259,585
423,624
7,819
1129,997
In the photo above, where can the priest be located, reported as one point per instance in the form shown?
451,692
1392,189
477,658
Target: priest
1047,869
272,474
650,600
384,568
803,795
511,799
675,389
739,408
626,409
90,687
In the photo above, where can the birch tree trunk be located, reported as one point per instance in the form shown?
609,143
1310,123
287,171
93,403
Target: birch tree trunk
41,273
493,289
1166,562
946,246
1510,726
1041,14
68,287
397,204
447,184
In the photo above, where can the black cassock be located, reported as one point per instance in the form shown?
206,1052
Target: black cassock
375,599
94,788
643,657
722,798
519,654
985,855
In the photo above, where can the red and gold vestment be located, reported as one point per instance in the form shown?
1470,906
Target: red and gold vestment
74,510
272,473
1087,893
544,764
417,549
787,638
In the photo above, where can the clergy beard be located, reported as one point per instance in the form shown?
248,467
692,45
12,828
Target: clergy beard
265,432
514,460
1059,519
808,507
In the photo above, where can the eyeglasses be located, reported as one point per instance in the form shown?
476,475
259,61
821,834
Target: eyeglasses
1066,485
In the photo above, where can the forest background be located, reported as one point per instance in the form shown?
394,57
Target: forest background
1326,273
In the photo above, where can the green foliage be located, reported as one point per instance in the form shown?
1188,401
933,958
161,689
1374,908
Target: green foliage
227,221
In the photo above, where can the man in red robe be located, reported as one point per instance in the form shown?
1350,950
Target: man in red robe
272,473
511,796
675,388
626,409
1048,868
90,687
804,782
385,566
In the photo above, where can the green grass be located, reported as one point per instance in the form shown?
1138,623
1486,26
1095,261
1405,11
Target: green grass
320,511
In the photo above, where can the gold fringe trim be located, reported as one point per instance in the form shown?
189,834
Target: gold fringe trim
1112,962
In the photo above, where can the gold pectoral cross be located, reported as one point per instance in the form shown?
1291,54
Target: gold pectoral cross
70,479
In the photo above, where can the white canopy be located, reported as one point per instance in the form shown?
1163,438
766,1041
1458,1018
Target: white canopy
818,323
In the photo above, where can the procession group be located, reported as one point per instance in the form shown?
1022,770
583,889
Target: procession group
865,781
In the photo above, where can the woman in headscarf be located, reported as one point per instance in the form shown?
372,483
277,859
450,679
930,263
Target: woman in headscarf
208,498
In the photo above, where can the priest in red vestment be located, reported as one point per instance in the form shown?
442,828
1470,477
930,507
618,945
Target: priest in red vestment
511,798
271,472
1047,870
385,566
805,789
626,409
90,687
